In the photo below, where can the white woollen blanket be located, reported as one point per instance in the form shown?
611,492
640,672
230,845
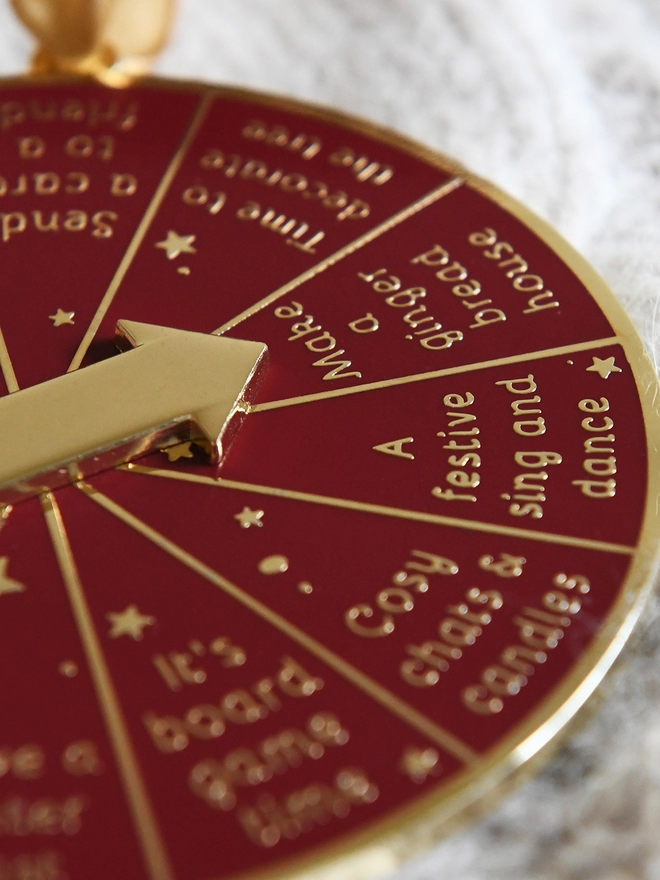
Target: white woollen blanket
558,102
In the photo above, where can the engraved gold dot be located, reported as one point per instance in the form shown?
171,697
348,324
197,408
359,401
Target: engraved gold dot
305,587
68,668
275,564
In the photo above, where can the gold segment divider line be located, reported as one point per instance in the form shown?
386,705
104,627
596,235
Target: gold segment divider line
434,196
383,510
436,734
143,228
435,374
144,819
7,367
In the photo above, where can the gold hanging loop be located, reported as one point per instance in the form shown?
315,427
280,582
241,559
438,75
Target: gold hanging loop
112,40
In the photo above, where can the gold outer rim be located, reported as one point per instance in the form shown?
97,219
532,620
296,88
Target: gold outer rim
407,831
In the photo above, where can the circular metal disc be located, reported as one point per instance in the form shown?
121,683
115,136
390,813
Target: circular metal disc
427,543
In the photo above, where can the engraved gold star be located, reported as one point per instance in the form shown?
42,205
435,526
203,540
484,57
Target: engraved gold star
249,518
176,244
181,450
61,317
7,584
128,622
604,367
417,764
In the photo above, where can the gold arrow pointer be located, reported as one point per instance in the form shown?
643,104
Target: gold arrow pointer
168,386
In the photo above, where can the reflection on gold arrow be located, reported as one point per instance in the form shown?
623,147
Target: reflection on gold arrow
169,385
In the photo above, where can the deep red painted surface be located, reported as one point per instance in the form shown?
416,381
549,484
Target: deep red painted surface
323,448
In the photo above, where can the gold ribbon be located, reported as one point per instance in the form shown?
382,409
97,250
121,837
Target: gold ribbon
113,40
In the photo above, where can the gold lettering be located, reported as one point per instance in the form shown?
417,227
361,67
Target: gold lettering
428,661
295,310
208,779
269,821
240,707
11,113
77,182
168,734
81,759
520,279
25,762
11,224
123,185
537,459
278,135
82,146
431,563
264,690
352,618
288,749
362,167
534,306
327,729
33,866
605,464
594,406
479,700
597,488
339,367
309,246
395,447
205,721
208,720
51,226
507,566
529,386
31,148
540,632
75,221
367,324
79,146
46,184
231,655
215,781
450,495
487,316
456,632
591,446
518,406
71,110
502,681
528,282
20,817
101,222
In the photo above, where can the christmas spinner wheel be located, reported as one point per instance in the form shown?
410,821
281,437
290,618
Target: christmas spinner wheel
347,532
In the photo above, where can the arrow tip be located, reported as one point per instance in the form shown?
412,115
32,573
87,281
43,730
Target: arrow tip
225,374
